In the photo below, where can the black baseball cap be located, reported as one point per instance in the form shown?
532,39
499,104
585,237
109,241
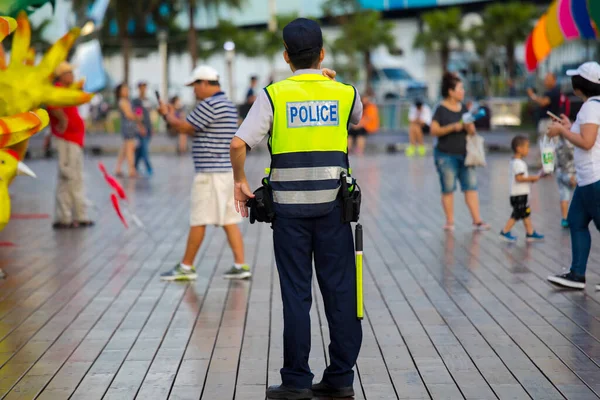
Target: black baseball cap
302,35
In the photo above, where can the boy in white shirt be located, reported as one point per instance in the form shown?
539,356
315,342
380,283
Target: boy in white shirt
520,187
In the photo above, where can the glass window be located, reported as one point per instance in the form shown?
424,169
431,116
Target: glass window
396,74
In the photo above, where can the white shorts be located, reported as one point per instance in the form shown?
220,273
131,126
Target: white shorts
212,200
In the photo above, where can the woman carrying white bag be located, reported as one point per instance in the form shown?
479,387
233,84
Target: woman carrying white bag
585,206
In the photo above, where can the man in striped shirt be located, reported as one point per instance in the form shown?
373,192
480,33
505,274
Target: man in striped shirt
212,125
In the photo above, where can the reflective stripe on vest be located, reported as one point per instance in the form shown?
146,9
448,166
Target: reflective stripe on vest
308,143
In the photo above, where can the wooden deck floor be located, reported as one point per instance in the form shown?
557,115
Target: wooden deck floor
83,314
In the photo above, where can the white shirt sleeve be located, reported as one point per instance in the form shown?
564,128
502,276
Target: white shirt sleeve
589,113
412,114
426,115
258,122
357,111
519,167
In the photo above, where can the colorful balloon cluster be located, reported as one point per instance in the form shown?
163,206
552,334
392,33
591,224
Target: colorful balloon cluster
565,20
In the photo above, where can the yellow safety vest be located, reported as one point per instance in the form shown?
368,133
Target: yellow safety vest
308,143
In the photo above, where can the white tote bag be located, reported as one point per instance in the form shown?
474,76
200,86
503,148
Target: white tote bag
475,151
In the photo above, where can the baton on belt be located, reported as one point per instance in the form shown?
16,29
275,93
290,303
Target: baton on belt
358,237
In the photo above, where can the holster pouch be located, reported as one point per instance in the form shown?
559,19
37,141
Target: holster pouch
351,198
261,206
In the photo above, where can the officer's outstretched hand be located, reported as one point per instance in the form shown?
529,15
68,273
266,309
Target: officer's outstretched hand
241,194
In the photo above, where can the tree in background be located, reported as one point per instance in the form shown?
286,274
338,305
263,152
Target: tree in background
246,40
131,18
507,24
442,27
271,43
192,8
486,51
362,31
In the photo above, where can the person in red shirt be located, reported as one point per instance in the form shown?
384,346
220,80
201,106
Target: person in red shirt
68,128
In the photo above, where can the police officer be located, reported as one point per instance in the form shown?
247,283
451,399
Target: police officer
307,118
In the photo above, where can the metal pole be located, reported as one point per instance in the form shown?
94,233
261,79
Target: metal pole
230,56
272,15
163,52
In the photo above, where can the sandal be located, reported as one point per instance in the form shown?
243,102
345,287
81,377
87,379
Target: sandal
85,224
481,226
60,225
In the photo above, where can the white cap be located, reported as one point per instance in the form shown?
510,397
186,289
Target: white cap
589,71
203,73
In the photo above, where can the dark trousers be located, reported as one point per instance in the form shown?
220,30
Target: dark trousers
142,152
585,208
296,240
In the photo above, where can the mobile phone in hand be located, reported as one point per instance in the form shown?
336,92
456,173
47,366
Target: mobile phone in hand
157,95
554,116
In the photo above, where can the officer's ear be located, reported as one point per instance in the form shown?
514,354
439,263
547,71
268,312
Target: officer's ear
322,55
286,57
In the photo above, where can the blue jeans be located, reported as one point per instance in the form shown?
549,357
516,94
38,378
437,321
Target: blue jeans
142,153
585,208
451,167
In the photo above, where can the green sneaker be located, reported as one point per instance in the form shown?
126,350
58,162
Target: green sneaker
241,273
410,151
422,150
179,274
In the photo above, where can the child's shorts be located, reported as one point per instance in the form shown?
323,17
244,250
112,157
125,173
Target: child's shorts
520,207
565,189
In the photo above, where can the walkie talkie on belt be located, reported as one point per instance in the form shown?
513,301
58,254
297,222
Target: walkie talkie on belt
351,198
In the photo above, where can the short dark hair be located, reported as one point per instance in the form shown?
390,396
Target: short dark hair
211,83
419,103
305,60
449,82
517,142
588,88
254,78
118,90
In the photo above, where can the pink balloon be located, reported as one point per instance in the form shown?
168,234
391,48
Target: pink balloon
566,20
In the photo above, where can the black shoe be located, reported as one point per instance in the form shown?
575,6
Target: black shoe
288,393
569,280
324,390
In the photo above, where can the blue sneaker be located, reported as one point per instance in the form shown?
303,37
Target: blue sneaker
535,237
508,237
564,223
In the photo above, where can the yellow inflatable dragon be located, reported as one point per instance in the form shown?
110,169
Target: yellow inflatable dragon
24,88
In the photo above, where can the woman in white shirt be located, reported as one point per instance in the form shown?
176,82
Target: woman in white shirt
585,206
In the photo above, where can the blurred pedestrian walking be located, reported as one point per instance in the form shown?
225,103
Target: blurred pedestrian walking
68,129
142,106
585,206
131,127
451,150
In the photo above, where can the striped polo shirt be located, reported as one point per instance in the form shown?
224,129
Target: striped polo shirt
216,122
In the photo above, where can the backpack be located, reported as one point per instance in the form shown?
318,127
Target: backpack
565,105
